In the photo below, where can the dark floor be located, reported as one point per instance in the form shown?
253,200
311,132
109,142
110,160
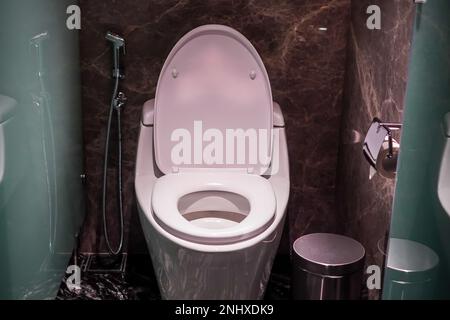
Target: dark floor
131,277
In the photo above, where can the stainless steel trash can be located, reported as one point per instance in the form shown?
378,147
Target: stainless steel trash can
411,271
327,267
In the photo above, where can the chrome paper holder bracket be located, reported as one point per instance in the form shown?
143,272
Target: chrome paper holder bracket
390,127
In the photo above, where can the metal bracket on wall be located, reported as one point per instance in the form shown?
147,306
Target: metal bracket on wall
390,126
420,1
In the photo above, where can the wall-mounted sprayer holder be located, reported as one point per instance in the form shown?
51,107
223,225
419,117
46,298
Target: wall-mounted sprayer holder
380,148
118,44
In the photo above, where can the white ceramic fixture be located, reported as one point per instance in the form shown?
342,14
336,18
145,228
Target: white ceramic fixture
212,227
444,173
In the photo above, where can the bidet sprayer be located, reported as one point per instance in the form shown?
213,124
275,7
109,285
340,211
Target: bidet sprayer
118,42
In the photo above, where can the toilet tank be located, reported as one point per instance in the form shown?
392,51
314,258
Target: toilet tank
444,172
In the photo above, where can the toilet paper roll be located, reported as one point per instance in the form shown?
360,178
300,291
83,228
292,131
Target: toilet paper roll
387,167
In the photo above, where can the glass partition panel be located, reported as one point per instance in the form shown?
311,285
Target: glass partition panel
41,195
418,263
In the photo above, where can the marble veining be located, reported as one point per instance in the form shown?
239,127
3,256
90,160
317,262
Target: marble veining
306,66
377,68
138,282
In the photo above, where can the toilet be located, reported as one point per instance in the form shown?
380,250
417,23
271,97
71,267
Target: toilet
444,172
212,173
443,190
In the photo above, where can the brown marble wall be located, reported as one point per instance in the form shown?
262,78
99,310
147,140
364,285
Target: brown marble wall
305,65
375,87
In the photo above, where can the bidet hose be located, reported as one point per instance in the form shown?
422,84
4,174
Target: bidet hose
119,173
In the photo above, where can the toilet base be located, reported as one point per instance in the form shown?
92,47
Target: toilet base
186,274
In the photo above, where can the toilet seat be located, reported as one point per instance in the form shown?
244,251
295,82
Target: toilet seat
212,81
170,188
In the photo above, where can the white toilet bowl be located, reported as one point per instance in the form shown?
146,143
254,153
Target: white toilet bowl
212,225
444,172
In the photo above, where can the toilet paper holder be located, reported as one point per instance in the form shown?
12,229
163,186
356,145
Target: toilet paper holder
390,127
375,149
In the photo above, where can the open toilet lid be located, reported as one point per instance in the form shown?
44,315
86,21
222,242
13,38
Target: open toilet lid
213,83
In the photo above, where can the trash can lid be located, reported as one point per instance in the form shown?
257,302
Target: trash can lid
410,261
329,254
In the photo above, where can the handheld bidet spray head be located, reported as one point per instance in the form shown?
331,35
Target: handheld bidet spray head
37,42
118,43
117,40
